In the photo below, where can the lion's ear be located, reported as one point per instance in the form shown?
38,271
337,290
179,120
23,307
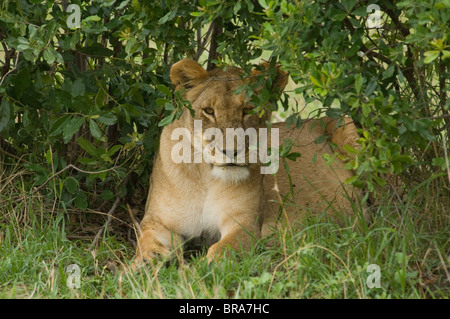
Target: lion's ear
187,73
281,78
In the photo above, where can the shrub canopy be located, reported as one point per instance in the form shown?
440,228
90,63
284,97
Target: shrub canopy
82,101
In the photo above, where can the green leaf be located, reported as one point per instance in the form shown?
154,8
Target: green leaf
262,3
88,147
100,98
123,4
162,102
361,11
169,106
348,4
338,15
389,72
167,120
169,16
445,54
49,57
402,129
314,158
82,200
430,56
136,5
35,168
59,125
250,5
107,194
95,29
315,81
365,109
358,83
164,90
92,18
321,139
351,179
426,134
237,7
95,130
107,118
71,128
443,4
293,156
78,88
440,162
349,149
113,150
71,184
370,88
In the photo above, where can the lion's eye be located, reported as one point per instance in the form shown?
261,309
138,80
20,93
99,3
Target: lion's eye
247,111
209,111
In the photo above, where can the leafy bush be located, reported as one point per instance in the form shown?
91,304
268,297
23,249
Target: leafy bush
82,106
391,76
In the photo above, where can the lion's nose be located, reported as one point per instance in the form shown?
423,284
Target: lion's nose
226,152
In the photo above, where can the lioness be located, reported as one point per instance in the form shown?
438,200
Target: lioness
226,204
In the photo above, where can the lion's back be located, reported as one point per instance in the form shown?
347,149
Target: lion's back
317,188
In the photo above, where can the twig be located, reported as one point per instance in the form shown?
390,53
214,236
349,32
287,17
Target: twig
136,228
443,116
12,70
110,216
201,45
75,168
11,155
102,229
213,54
134,221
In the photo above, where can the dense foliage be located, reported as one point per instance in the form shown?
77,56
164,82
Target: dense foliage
82,105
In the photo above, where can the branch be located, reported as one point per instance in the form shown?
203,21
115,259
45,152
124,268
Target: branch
217,29
102,229
136,225
75,168
403,29
110,215
12,70
201,45
368,52
408,70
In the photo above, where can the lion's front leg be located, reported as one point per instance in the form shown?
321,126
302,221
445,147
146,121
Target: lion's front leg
155,241
239,237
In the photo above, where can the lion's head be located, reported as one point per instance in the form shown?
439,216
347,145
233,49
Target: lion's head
224,123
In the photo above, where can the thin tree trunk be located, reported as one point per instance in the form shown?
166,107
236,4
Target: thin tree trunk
213,55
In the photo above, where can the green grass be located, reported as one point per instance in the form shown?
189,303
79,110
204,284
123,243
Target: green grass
410,244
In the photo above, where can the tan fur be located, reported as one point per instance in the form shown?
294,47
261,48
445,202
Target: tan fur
187,201
316,187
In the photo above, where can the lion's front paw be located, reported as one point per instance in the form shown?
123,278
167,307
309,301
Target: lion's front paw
212,253
143,258
217,251
150,252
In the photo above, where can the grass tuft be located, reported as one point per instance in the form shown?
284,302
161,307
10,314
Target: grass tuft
407,239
